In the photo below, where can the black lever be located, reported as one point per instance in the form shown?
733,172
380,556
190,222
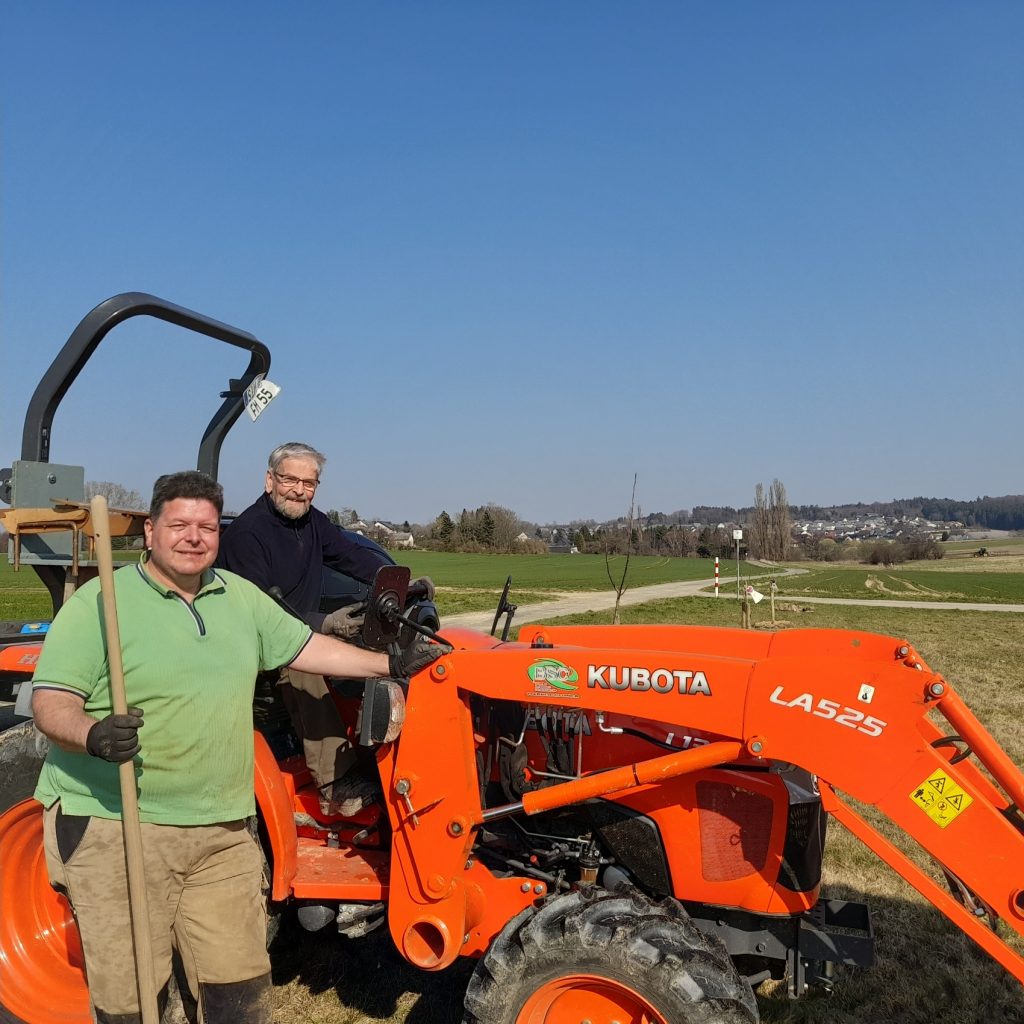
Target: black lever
507,608
275,593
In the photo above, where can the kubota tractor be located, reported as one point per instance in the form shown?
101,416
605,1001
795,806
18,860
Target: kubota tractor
620,823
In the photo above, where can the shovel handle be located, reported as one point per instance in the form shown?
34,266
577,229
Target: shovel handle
137,899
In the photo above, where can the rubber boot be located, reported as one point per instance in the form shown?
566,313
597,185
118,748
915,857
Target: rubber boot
238,1002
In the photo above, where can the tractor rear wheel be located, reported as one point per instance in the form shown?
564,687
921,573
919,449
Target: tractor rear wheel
42,977
604,957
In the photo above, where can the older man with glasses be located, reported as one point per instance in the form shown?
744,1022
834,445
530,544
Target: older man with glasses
282,541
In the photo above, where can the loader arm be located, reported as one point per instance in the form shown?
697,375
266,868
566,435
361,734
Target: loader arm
855,709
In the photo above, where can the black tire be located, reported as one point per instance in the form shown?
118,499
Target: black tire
652,949
22,750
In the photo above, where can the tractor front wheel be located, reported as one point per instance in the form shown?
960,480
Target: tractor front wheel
604,957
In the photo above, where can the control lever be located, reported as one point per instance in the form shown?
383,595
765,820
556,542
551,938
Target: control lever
507,608
278,596
384,618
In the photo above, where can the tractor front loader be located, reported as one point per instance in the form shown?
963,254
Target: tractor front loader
617,823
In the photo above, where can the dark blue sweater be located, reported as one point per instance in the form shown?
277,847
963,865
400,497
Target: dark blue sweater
273,551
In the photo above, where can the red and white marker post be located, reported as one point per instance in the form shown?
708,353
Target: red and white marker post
716,575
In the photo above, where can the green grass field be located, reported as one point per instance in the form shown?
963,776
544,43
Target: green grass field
465,582
875,582
557,572
1000,545
22,594
470,583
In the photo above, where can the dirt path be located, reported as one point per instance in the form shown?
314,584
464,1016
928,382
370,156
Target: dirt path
587,601
602,600
958,606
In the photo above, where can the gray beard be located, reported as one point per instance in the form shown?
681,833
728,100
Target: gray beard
280,505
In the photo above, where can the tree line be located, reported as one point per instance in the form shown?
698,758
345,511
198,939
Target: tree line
1002,513
487,528
993,513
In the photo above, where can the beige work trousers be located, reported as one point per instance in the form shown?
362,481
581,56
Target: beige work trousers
206,892
315,717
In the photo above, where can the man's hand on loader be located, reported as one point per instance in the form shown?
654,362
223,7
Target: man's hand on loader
116,737
346,623
426,584
416,657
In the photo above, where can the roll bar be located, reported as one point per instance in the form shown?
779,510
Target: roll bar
35,442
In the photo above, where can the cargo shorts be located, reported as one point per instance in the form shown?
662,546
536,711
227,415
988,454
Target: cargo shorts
206,890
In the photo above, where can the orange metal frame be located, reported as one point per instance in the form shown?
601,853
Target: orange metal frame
853,708
858,710
19,658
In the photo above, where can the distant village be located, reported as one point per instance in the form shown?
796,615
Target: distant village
493,527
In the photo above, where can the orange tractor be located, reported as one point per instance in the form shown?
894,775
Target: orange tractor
619,823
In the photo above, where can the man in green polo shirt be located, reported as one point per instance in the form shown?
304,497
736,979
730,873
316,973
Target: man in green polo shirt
193,640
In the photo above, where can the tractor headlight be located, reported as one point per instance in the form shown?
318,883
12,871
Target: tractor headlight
383,713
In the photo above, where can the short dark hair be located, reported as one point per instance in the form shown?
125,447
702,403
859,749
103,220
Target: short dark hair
190,483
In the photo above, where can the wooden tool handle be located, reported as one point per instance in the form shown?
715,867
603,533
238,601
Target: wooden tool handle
137,899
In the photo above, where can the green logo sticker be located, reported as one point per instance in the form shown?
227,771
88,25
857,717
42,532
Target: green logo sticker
553,672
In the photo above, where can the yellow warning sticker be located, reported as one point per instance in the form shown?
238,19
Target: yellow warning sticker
941,798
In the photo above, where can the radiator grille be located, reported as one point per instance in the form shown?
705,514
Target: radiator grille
735,831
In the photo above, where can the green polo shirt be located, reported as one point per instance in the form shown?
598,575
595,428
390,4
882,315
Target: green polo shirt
191,668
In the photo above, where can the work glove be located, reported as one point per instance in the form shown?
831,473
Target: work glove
346,623
427,584
116,737
414,658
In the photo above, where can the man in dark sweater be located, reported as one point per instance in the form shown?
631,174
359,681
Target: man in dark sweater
282,541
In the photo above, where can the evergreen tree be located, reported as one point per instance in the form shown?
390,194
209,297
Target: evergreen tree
486,531
443,527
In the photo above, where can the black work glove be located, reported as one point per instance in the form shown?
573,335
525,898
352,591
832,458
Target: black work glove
416,657
116,737
346,623
427,584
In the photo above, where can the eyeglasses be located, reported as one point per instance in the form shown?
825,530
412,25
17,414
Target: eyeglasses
295,481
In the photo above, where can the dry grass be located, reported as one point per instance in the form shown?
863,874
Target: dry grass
927,971
998,560
325,979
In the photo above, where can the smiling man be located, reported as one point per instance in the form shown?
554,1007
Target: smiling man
282,541
193,640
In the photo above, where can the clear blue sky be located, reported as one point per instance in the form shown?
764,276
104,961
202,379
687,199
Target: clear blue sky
517,252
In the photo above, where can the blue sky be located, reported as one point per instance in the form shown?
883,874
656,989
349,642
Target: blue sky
515,253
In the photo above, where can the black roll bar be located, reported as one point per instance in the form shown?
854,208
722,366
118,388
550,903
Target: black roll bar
35,441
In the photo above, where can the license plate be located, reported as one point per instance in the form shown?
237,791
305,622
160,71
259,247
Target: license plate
258,395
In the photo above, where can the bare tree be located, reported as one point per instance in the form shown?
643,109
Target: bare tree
769,525
622,585
507,527
117,495
778,505
758,526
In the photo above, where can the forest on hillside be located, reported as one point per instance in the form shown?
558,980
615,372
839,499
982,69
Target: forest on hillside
1002,513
